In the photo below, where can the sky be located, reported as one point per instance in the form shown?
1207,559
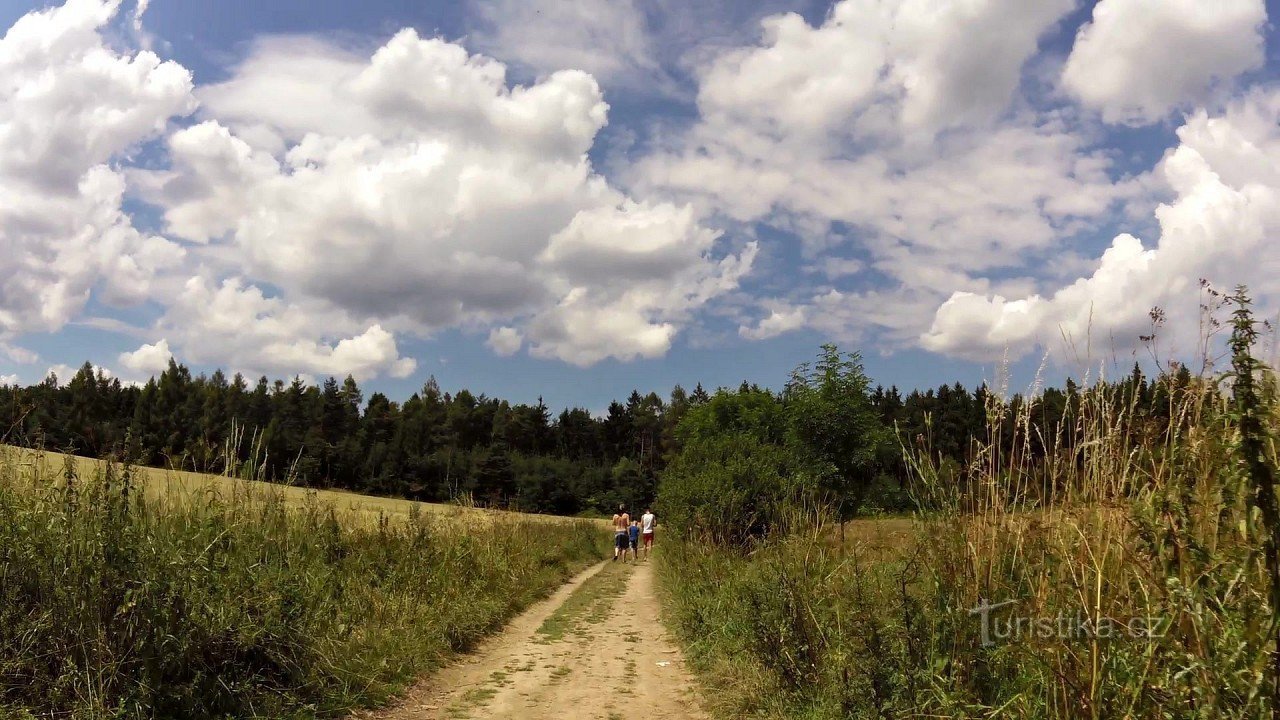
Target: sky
571,200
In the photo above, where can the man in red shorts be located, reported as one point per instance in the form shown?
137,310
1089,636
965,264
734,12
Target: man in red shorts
647,524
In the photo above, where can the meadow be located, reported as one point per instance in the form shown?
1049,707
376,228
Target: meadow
127,592
1118,563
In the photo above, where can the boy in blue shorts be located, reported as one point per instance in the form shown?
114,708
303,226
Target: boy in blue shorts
633,535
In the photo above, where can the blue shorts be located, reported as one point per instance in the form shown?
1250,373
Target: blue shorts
620,541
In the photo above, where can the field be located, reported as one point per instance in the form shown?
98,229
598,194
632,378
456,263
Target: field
135,593
184,486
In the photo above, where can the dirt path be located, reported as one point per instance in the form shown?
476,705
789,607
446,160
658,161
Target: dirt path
595,649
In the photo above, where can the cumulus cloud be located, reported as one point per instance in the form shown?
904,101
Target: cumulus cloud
895,123
629,276
874,68
9,380
148,359
782,318
415,189
64,373
505,341
1225,175
69,105
236,323
1136,60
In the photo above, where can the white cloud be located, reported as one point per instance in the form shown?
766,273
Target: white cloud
609,39
1138,59
1225,174
65,373
235,323
505,341
20,355
148,359
138,11
915,66
628,276
9,380
69,105
782,318
895,122
415,190
837,267
959,62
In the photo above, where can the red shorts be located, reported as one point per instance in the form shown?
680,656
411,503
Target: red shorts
647,538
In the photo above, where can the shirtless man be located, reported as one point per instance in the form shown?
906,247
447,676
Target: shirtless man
621,521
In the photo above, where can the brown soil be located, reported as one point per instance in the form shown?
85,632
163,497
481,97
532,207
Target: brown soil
594,649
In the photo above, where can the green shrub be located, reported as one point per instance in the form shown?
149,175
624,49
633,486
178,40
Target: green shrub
731,489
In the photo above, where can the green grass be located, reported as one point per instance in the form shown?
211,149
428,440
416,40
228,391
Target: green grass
122,600
471,701
589,604
1121,518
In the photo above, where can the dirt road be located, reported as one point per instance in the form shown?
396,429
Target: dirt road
595,649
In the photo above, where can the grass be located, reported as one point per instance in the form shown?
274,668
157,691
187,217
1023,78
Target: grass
589,604
1116,518
470,701
129,593
180,486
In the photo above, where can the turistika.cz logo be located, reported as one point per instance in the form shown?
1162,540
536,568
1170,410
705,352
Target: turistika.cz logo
1063,626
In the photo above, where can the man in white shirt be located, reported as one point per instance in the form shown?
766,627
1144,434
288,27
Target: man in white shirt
647,524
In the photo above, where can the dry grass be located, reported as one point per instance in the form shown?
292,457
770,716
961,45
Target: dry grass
1123,514
352,508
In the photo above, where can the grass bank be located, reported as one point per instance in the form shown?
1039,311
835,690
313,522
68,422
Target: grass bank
236,600
1121,563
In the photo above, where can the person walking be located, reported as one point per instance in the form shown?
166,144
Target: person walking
633,535
621,521
647,524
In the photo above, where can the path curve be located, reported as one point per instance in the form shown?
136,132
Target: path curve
596,649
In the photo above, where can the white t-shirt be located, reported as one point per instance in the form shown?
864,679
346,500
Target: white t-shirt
646,522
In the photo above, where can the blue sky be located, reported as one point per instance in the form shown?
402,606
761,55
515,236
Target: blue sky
572,200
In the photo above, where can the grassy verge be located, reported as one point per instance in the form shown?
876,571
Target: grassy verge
120,602
797,628
1124,564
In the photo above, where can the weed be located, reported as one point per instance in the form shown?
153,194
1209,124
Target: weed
126,604
1148,503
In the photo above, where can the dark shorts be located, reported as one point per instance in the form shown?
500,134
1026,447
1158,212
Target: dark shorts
634,542
620,541
648,539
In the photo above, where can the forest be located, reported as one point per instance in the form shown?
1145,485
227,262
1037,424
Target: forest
446,446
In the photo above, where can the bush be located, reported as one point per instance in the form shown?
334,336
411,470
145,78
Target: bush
730,490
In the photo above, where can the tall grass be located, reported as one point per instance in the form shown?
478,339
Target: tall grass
1133,544
114,604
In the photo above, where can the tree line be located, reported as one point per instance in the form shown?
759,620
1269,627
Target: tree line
753,463
440,446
